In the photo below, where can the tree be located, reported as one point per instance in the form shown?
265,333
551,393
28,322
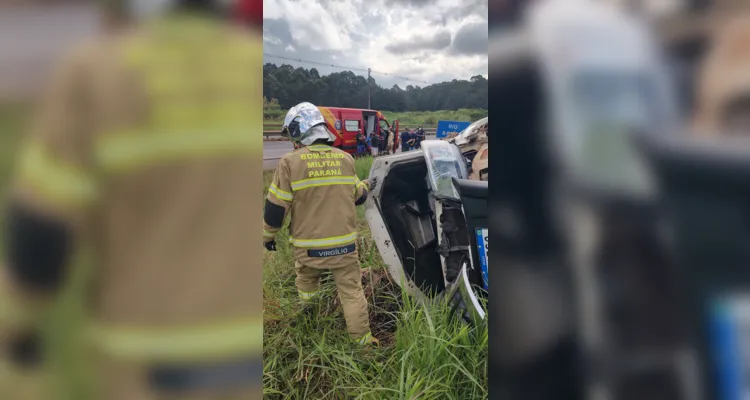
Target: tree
289,86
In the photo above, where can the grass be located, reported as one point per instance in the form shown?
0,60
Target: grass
424,353
407,117
432,117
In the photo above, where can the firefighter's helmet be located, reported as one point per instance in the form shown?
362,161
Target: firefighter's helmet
304,124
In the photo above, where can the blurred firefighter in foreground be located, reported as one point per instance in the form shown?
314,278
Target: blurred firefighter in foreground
141,168
318,184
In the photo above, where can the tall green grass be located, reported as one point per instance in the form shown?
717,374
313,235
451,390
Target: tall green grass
432,117
424,353
409,117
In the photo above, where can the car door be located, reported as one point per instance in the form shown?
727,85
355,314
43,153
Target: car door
466,293
351,123
458,247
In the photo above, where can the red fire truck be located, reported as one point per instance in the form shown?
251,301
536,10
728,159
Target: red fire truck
346,122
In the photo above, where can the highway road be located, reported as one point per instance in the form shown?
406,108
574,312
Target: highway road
273,151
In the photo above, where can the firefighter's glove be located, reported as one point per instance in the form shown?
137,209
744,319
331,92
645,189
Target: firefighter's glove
270,245
372,183
25,350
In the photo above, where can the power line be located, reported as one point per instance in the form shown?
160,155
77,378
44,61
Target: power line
344,67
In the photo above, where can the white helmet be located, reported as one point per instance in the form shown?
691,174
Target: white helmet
304,123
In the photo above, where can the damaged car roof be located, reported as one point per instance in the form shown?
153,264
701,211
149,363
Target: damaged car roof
476,130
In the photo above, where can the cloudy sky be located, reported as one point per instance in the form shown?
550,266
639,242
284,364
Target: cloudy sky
424,40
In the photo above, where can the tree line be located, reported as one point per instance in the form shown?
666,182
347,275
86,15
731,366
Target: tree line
290,85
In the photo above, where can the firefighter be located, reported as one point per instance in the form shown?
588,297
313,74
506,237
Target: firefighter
137,174
318,185
388,140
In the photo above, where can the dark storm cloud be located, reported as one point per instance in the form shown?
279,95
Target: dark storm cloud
471,39
439,41
322,59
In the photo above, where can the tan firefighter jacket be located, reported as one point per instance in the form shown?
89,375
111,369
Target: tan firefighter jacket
317,185
149,144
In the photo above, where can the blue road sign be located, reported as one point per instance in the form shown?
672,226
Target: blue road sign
446,128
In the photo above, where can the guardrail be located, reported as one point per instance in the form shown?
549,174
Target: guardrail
401,125
277,133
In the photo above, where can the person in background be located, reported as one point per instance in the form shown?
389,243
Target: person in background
412,139
374,143
361,144
394,145
419,137
390,139
387,141
383,149
405,141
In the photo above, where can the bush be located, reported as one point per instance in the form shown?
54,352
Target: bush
272,110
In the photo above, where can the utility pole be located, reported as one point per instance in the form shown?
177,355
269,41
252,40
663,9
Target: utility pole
368,88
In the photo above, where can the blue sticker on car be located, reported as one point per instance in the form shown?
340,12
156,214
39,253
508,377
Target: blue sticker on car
729,324
482,247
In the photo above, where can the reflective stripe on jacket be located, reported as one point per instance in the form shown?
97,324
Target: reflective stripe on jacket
318,186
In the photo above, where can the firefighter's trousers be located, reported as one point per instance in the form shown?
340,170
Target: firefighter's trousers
123,380
349,285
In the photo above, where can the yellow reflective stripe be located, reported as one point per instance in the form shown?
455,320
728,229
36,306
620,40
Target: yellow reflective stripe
124,151
268,234
54,180
307,295
180,344
326,181
319,147
329,241
359,185
11,315
280,193
365,339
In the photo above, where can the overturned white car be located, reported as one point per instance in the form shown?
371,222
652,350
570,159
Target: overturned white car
430,225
